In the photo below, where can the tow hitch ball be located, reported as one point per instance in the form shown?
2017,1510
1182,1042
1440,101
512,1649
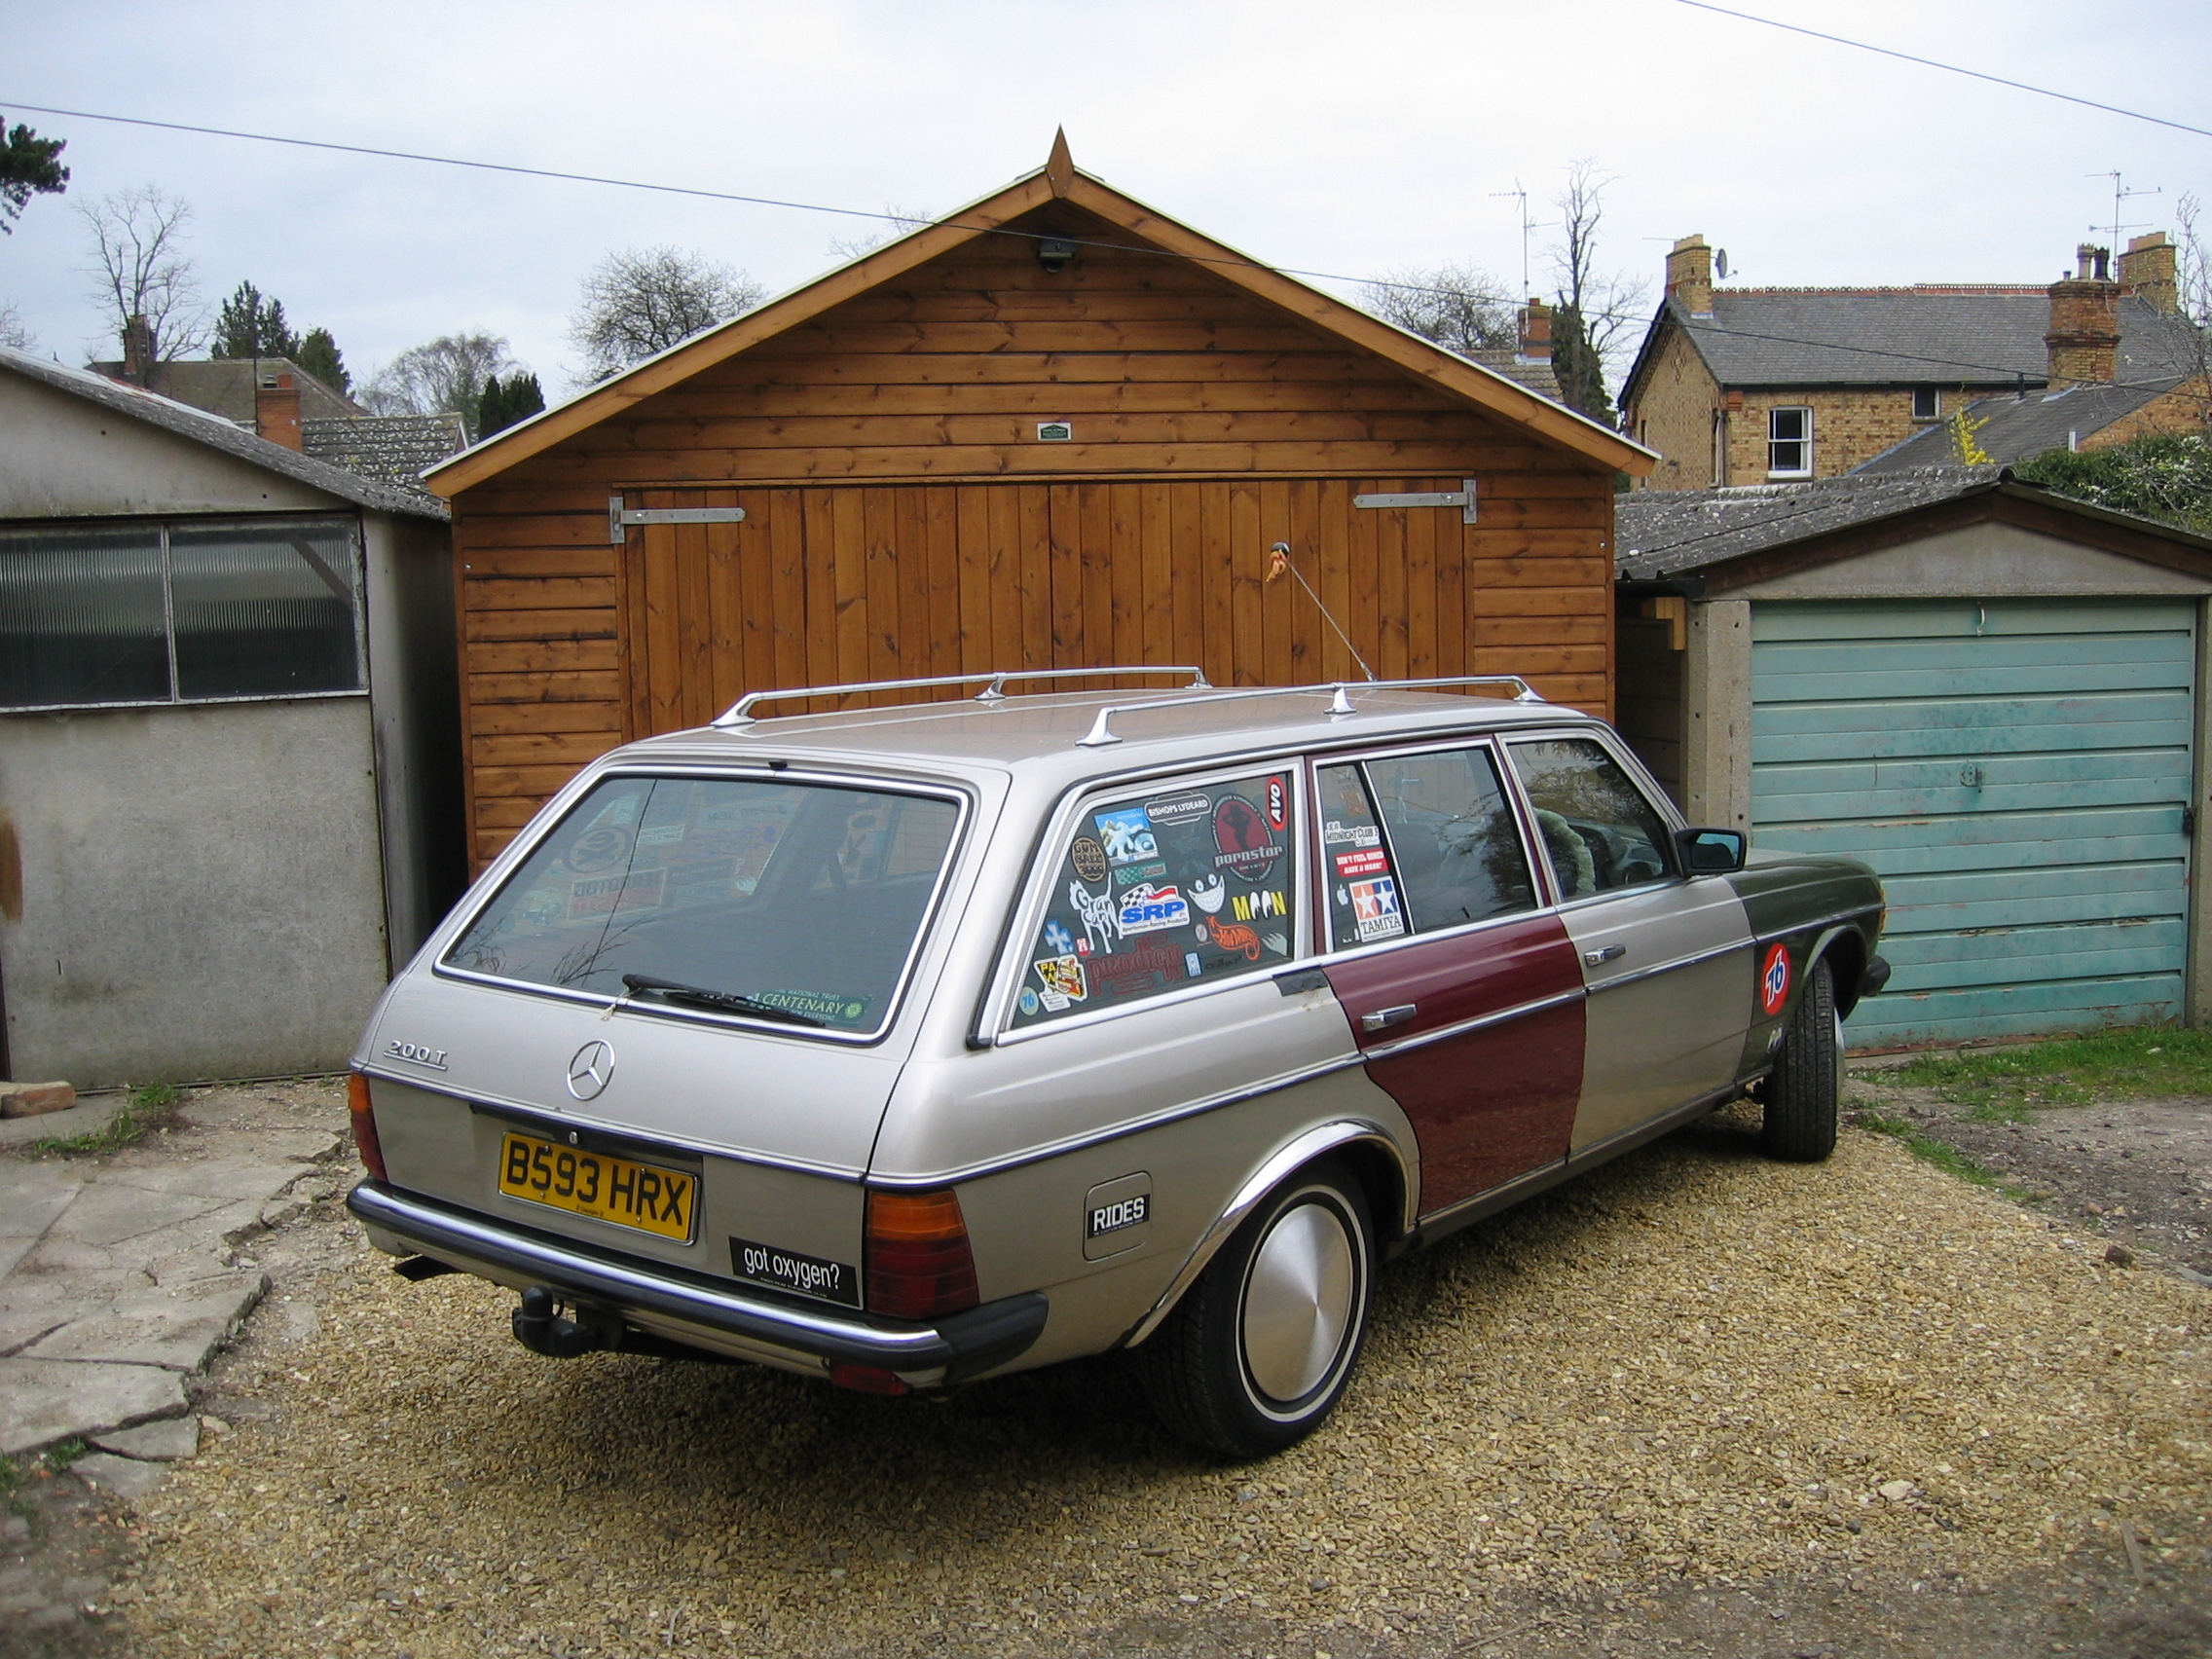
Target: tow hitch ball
541,1330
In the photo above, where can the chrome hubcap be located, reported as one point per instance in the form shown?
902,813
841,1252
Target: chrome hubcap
1298,1302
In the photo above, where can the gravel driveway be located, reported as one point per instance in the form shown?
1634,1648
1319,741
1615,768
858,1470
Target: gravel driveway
1697,1401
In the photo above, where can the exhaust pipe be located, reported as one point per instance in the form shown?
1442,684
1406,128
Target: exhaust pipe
541,1330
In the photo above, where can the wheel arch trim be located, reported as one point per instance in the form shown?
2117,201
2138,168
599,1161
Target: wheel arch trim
1274,1170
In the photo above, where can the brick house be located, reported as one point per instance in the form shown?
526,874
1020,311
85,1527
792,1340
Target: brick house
1750,385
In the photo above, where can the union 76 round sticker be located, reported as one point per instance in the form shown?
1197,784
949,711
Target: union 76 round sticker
1774,978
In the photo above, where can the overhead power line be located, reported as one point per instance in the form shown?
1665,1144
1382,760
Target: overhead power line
1948,68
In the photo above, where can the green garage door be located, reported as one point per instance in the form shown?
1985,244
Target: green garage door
2017,772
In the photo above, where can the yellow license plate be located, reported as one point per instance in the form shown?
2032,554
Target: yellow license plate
643,1196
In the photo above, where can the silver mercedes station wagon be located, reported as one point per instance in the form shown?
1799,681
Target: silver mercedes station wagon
916,1043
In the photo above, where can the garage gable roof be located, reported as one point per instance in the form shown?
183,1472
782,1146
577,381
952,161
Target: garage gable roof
1669,535
1057,180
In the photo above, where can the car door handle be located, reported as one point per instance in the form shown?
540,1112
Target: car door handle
1598,957
1384,1018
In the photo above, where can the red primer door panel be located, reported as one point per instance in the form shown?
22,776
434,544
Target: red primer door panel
1491,1103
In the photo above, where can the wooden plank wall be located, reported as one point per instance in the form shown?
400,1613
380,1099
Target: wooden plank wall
1207,425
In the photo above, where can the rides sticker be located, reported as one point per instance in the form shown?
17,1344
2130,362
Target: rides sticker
1774,980
1374,907
1149,909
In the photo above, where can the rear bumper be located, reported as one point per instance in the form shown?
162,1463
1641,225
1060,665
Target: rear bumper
694,1308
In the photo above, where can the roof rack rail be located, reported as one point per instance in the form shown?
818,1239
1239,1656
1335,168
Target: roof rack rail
740,713
1339,694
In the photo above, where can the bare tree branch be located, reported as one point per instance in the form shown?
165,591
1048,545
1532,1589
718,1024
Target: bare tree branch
903,221
642,301
1602,310
444,375
140,268
13,333
1461,307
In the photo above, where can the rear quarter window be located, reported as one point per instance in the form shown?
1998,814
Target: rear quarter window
1154,891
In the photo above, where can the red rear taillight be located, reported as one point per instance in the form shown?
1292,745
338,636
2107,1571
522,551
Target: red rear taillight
365,1115
918,1261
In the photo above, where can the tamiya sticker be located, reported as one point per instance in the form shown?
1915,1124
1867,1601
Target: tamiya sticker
1095,910
1171,810
1374,907
1058,940
1209,893
1128,875
1152,909
1127,835
1774,978
1372,861
1089,859
1063,981
1352,835
1278,805
1244,844
1235,935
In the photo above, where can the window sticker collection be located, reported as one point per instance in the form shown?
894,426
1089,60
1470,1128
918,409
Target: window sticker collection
1156,893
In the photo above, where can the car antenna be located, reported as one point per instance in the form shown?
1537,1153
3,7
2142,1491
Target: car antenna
1278,564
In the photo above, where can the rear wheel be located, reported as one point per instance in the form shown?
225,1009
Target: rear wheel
1803,1093
1261,1349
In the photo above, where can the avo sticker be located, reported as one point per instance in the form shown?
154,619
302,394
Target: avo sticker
1774,978
1089,859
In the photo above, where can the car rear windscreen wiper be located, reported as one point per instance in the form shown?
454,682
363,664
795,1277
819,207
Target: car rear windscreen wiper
724,1001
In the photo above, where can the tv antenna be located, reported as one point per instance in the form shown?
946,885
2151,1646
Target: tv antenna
2120,195
1520,194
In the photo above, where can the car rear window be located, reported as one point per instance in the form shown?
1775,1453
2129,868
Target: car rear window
1156,890
793,902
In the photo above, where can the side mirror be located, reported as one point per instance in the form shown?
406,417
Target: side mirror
1712,852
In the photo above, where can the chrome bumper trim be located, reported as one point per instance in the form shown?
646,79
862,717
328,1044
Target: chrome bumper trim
960,1345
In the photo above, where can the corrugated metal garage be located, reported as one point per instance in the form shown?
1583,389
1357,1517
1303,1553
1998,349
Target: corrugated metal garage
1992,695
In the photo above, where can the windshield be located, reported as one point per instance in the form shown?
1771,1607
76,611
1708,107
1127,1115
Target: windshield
710,894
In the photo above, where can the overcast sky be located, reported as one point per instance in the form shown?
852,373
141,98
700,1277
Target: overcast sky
1346,139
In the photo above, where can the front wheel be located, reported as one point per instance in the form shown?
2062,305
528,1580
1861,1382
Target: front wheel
1261,1349
1804,1092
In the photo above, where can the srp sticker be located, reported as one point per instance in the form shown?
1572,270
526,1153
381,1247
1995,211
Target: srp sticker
1774,978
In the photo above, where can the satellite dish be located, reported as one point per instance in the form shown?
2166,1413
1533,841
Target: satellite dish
1720,265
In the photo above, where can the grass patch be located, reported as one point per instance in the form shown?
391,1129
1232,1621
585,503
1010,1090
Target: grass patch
1929,1150
148,1107
60,1458
2005,1084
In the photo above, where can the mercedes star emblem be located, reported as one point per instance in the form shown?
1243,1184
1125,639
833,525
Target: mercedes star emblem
589,1071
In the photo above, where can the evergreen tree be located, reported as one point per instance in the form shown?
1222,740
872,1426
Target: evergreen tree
30,166
1577,367
318,354
252,325
2165,476
507,401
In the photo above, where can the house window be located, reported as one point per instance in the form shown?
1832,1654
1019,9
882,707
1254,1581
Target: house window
1789,443
1927,404
179,612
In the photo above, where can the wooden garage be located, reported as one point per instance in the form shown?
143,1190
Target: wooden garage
1052,430
1990,693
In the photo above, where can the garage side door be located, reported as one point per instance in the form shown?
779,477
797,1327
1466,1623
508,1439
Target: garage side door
2017,772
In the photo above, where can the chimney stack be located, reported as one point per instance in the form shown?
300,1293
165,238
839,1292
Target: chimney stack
2084,341
1536,332
2147,271
1689,275
137,350
277,409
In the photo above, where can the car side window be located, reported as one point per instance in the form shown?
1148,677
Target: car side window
1453,837
1364,904
1154,891
1599,830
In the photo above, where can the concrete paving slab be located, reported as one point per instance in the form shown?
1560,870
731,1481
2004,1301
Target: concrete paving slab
125,1477
32,1198
156,1327
112,1212
43,1401
85,1118
166,1442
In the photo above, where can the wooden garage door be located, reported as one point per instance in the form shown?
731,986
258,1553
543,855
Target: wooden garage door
858,582
2018,773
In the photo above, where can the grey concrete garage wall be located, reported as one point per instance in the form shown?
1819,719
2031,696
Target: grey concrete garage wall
201,890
